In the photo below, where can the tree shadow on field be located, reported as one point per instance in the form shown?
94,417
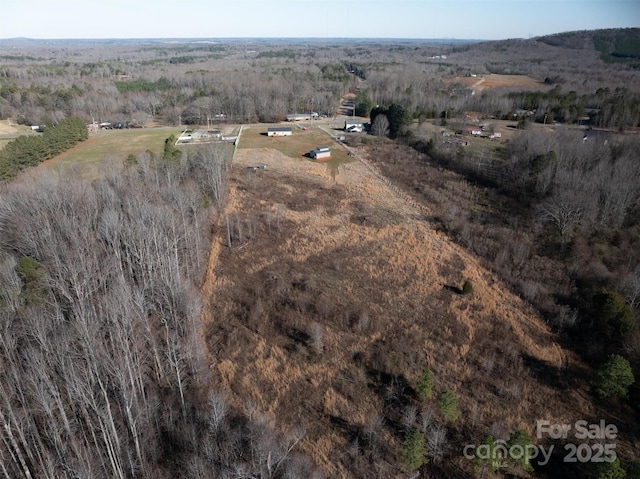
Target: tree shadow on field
453,289
563,377
559,466
352,432
397,394
298,336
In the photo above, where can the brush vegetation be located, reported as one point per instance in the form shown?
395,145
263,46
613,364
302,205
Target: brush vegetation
182,313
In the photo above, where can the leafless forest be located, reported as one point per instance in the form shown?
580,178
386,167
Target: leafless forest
104,369
249,81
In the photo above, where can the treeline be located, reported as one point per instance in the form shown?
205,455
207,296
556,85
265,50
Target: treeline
557,217
604,108
267,83
26,151
613,44
575,181
104,371
594,180
585,192
248,87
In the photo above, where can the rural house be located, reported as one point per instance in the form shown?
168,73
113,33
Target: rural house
353,126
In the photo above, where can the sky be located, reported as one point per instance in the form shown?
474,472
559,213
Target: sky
419,19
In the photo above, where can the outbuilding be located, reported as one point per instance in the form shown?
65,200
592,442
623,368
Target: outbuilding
320,153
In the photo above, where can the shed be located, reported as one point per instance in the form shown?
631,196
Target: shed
280,131
320,153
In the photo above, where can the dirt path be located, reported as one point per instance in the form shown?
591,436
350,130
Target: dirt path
372,169
498,81
478,83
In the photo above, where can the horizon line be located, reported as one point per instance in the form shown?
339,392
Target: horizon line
353,38
259,38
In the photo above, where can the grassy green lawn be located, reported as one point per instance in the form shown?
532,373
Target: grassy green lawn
297,145
114,145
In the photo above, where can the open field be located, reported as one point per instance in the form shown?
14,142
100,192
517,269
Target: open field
9,127
324,273
493,81
9,130
108,145
296,146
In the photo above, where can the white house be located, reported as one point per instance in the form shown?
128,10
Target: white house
320,153
353,126
280,131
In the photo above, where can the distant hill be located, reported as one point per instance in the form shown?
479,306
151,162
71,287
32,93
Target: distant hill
570,58
614,45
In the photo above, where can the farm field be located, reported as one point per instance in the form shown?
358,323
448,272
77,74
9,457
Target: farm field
9,131
8,127
296,146
493,81
113,145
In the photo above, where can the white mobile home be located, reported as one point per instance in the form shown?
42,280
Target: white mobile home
302,116
279,131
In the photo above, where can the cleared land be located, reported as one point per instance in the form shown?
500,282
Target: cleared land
10,130
113,145
485,82
336,293
8,127
298,145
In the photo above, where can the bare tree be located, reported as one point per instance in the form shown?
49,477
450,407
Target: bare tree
631,288
212,165
437,443
380,126
563,212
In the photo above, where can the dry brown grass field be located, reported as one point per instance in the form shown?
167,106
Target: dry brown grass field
493,81
335,293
